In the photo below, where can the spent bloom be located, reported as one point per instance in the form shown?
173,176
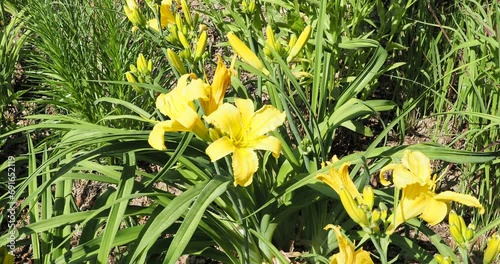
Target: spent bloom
413,177
178,105
243,131
354,203
347,253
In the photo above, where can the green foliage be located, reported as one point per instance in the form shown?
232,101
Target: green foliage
81,55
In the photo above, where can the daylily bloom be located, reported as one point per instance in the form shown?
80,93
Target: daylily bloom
356,205
244,131
418,198
217,90
246,53
179,107
346,254
166,17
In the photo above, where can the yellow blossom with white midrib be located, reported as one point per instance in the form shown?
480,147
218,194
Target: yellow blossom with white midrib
243,131
413,177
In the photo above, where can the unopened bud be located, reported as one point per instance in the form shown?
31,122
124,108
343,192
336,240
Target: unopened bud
187,14
183,39
301,41
200,46
176,62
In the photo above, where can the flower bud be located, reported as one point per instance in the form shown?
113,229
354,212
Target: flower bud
130,77
200,46
456,224
492,250
183,40
368,197
176,62
442,260
246,54
142,64
301,42
376,215
251,6
178,21
187,14
134,14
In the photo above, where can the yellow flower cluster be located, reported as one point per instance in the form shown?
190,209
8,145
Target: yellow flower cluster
237,129
141,72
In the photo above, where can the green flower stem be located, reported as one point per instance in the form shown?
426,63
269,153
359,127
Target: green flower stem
381,247
464,253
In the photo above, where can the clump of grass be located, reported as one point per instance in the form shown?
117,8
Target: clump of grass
78,49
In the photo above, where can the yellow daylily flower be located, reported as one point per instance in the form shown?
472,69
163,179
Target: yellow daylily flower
355,204
166,17
246,54
415,167
243,131
413,177
217,90
492,250
179,107
346,254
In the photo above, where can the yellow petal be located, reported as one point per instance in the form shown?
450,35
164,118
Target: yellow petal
166,15
153,24
434,212
265,120
389,167
157,136
347,182
465,199
246,108
269,143
246,54
222,79
418,164
362,257
354,211
196,89
245,164
226,118
402,177
220,148
410,205
346,248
